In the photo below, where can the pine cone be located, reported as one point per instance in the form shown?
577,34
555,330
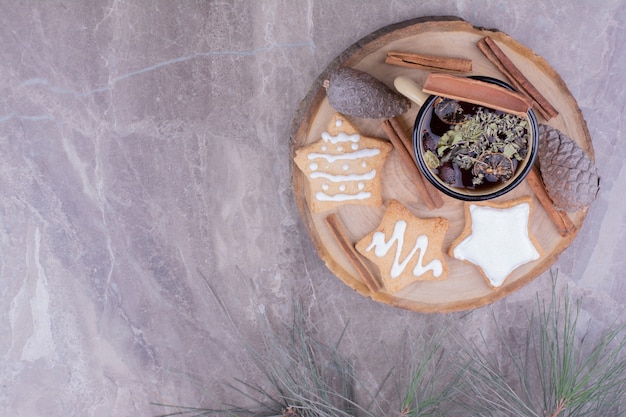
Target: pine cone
569,175
290,412
357,93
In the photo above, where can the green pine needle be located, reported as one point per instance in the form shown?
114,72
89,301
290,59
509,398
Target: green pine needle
554,368
553,374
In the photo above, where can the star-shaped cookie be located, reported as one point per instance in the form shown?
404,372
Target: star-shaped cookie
406,248
343,167
497,239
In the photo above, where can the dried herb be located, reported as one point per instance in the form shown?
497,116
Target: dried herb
487,144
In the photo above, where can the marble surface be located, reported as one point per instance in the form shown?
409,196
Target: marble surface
145,176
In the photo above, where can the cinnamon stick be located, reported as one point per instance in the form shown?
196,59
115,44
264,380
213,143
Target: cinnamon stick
428,62
477,92
561,220
347,248
497,57
409,165
401,132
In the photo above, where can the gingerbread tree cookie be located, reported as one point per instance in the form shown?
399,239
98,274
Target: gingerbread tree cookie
406,248
343,167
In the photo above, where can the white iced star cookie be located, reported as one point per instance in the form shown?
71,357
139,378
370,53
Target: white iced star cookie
497,239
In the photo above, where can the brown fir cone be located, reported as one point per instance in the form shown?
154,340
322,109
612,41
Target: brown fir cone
359,94
569,175
290,412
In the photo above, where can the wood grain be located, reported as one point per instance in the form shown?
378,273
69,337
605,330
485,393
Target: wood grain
449,36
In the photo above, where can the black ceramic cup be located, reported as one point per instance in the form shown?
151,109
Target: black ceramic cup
468,194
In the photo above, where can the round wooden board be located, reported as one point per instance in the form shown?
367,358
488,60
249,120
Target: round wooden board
465,288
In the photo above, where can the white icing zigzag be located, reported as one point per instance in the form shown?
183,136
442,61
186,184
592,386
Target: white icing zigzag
382,247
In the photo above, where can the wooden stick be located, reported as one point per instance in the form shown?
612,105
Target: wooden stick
561,220
497,57
428,62
401,132
477,92
369,279
409,165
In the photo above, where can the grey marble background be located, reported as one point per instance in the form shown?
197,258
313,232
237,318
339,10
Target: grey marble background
145,167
